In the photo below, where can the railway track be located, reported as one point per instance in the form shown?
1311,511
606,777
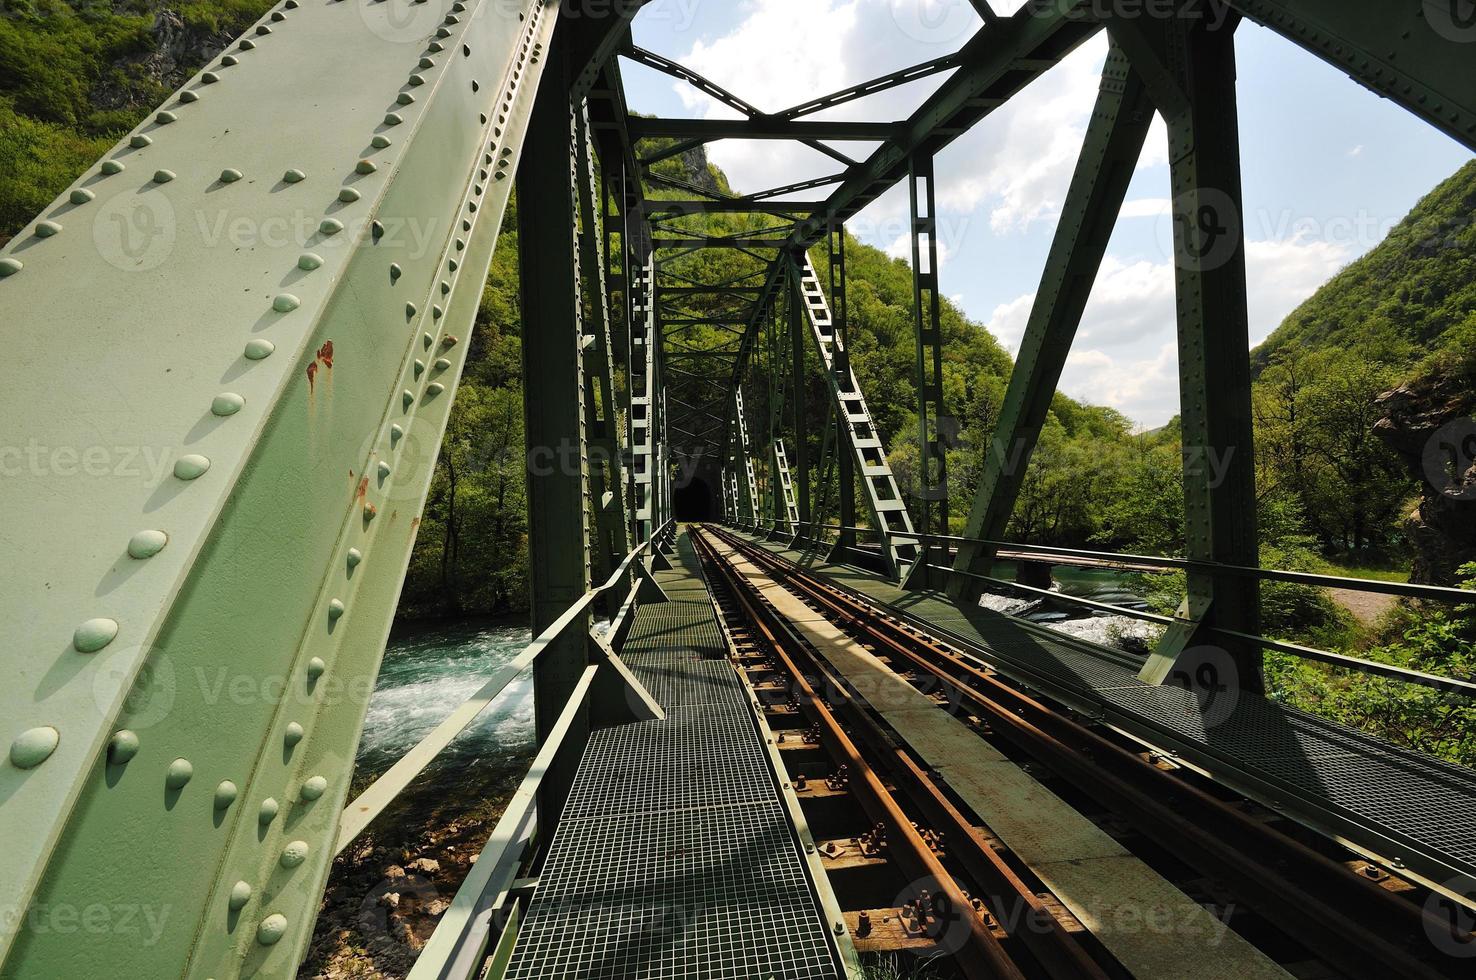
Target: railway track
1316,910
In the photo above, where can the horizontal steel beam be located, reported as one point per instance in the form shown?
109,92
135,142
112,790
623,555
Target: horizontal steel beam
738,205
759,128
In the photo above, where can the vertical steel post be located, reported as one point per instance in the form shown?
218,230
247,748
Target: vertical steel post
932,460
1189,68
558,539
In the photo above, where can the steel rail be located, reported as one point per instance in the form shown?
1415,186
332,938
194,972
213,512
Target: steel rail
982,957
383,791
1058,952
1338,916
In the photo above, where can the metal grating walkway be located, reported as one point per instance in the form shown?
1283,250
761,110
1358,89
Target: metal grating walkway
1391,801
674,856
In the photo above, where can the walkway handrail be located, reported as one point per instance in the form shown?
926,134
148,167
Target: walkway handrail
1450,685
1409,590
383,791
456,947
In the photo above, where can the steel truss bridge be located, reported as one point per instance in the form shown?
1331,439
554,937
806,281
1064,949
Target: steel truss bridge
229,442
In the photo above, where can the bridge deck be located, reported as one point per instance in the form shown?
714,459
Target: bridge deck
674,855
1390,802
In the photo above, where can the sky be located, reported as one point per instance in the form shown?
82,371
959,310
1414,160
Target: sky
1327,166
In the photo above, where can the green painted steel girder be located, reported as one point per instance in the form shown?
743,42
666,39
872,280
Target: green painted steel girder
264,316
1104,169
758,128
1417,54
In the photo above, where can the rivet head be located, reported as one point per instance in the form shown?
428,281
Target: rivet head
426,340
240,895
315,668
396,433
259,349
348,195
409,310
392,119
365,167
442,364
230,60
434,388
294,854
268,811
180,771
122,747
427,63
191,466
380,141
227,403
111,167
94,634
147,544
81,196
383,470
285,303
293,735
261,29
308,261
407,398
45,229
294,176
230,175
330,226
189,95
248,45
404,98
436,311
370,512
9,267
272,929
314,788
139,140
163,176
355,556
395,271
278,16
165,117
419,368
34,746
335,608
209,78
417,80
225,794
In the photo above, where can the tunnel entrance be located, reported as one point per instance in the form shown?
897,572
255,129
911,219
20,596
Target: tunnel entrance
695,501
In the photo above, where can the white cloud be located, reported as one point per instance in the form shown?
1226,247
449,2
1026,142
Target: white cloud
1357,151
1119,357
1146,207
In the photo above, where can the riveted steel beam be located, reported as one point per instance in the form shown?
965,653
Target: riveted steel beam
1104,169
206,632
931,491
1416,54
1188,69
758,128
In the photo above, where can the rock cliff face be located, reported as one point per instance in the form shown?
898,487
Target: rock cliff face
1428,423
